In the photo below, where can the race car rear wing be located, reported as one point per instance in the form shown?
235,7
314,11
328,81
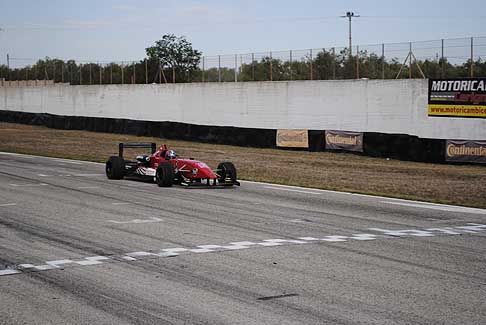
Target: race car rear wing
121,146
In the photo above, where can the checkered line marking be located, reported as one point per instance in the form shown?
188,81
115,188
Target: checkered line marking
470,228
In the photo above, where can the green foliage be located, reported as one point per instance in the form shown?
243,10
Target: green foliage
325,65
175,53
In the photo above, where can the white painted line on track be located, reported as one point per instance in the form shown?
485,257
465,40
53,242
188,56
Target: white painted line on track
9,272
88,175
291,190
7,204
87,187
136,221
34,184
441,207
120,203
470,228
76,162
20,154
69,161
44,175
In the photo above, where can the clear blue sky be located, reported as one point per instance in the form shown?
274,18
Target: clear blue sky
107,30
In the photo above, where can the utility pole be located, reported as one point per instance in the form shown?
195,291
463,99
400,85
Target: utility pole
350,15
8,68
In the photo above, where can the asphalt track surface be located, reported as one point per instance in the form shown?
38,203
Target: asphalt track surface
76,247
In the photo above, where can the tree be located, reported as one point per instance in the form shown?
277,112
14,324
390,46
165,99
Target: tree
177,54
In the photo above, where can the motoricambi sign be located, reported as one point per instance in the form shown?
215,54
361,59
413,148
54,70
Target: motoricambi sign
457,97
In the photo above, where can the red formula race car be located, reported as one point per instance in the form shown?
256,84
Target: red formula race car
165,168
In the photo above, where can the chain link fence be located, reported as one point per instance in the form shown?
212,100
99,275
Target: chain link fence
445,58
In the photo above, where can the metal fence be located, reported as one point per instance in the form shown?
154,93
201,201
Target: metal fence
445,58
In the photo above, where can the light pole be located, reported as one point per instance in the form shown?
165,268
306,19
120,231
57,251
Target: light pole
350,15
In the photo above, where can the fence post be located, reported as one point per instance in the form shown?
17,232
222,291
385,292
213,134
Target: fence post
442,59
202,75
236,68
80,73
62,72
271,67
410,62
253,66
54,72
357,61
472,57
240,68
333,63
111,73
173,75
219,68
383,61
160,70
311,66
90,81
146,71
101,73
122,74
134,80
290,64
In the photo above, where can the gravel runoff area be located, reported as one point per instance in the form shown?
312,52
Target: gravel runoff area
449,184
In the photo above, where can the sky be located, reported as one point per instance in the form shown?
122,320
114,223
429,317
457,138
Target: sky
109,30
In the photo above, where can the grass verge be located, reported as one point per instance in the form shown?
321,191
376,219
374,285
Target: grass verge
449,184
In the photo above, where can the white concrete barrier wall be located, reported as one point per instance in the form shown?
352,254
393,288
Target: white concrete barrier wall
387,106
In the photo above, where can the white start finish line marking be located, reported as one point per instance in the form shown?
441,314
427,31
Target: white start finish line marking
470,228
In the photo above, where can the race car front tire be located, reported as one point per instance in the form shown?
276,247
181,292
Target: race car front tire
164,176
226,170
115,167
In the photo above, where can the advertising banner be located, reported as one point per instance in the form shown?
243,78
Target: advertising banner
344,140
293,138
466,151
457,97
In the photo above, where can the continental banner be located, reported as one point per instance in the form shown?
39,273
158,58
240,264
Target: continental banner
293,138
457,97
344,140
466,151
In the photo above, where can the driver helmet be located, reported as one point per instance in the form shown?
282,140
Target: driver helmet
171,154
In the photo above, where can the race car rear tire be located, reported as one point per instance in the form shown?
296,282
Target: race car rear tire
115,167
164,176
226,170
